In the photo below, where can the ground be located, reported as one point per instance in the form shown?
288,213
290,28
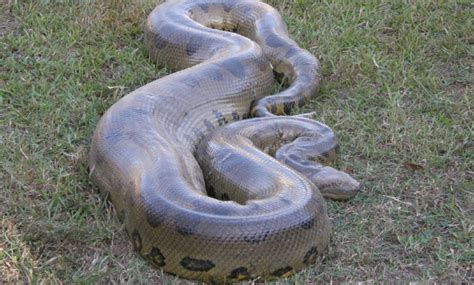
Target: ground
397,90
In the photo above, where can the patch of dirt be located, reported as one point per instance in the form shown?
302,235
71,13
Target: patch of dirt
457,84
8,23
458,89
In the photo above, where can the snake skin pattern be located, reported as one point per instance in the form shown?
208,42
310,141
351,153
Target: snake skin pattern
205,191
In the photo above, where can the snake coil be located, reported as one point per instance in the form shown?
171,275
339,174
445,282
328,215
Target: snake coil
204,191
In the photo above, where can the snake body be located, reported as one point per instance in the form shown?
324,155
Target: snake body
203,193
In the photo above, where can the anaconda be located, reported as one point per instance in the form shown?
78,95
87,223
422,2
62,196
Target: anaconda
209,182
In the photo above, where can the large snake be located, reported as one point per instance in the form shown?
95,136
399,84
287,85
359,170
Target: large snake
203,193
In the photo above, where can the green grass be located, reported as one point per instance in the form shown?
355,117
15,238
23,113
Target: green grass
397,89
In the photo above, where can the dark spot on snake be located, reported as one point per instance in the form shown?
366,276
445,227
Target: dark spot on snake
199,265
208,125
204,7
161,39
234,66
186,224
291,52
235,116
156,257
185,231
288,106
308,224
221,120
256,238
153,219
195,42
137,240
215,74
240,273
282,271
225,197
274,41
311,256
158,41
113,136
269,19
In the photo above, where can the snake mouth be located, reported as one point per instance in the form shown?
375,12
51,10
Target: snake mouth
339,194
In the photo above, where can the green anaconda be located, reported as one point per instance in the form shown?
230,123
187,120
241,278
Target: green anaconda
209,182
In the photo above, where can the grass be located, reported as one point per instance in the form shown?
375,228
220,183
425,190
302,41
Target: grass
397,89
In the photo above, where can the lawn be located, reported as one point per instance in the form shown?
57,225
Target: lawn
397,89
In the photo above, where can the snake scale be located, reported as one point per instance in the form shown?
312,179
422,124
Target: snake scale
210,183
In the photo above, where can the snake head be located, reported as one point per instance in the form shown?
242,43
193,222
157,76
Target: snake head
334,184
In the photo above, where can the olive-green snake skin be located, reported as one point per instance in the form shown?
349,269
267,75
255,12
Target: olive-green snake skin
204,191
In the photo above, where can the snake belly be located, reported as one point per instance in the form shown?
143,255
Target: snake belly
203,193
